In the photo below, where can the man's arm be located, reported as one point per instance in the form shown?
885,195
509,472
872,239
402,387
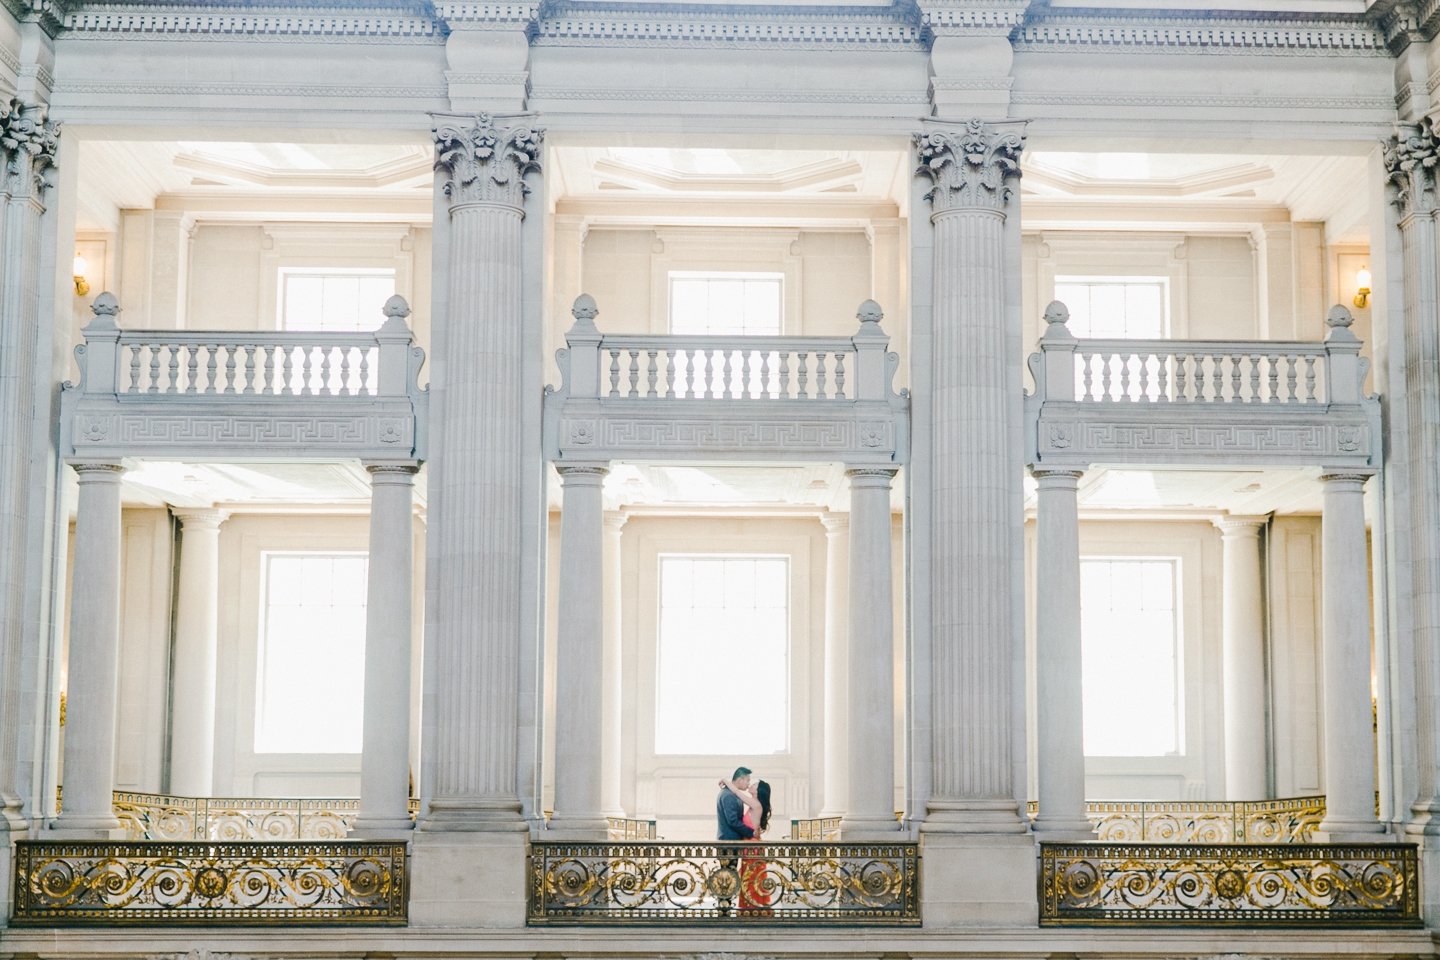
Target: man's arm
731,807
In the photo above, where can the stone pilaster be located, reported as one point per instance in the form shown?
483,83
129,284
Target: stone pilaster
28,144
611,743
390,589
197,620
837,665
870,802
1243,642
1059,694
94,655
580,656
1345,642
479,538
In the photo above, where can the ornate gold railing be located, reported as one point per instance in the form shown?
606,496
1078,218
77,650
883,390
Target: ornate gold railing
1359,885
153,816
824,830
1204,821
723,883
623,829
60,883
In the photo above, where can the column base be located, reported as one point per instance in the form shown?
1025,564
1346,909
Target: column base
1360,830
868,830
978,880
580,829
468,880
1063,830
472,815
382,828
85,828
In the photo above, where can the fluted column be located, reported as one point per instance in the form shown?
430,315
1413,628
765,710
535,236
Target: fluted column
612,674
975,477
1059,693
580,656
192,700
837,659
385,756
870,804
477,514
1243,642
27,154
93,659
1345,643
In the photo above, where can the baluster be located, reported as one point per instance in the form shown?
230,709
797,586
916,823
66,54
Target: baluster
709,374
784,374
192,365
1105,375
744,374
344,390
154,386
1290,393
1310,379
287,365
229,349
820,374
1237,365
1217,375
249,371
267,373
325,386
1125,359
134,369
689,374
801,376
1181,384
1162,375
1273,377
727,378
765,374
634,373
614,372
840,375
307,375
365,385
210,366
651,373
1254,378
1144,377
173,384
669,374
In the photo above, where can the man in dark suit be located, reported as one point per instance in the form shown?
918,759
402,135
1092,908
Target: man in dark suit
730,811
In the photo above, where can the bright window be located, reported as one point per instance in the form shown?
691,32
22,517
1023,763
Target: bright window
338,301
726,304
724,677
1130,650
309,698
1115,307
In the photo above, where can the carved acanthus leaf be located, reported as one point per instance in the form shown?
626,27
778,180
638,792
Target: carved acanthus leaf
1410,158
486,163
970,167
30,142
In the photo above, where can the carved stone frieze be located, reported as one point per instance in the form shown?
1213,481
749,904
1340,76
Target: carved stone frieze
1095,438
486,157
30,142
971,167
1410,158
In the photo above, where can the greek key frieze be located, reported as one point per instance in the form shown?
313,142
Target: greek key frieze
728,434
1284,440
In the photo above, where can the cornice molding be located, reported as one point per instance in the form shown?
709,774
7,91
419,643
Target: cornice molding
108,20
1351,36
674,25
997,18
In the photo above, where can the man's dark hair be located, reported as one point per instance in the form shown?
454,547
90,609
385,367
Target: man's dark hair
741,772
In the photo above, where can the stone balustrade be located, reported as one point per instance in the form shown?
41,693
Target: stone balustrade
227,394
1198,371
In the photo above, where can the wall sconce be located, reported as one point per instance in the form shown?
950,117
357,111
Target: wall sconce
82,286
1362,284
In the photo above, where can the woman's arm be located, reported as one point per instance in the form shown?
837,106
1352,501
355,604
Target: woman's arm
747,799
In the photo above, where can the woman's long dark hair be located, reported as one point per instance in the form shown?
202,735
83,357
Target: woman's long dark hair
762,793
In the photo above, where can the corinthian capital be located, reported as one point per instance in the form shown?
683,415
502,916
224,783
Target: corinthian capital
1410,158
29,141
486,157
971,166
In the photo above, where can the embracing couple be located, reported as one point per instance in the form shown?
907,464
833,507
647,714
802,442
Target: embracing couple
744,814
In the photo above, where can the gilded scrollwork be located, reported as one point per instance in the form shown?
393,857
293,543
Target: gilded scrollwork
486,162
644,882
971,167
120,883
1243,884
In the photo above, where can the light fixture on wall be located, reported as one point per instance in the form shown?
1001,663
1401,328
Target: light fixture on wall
82,286
1362,287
